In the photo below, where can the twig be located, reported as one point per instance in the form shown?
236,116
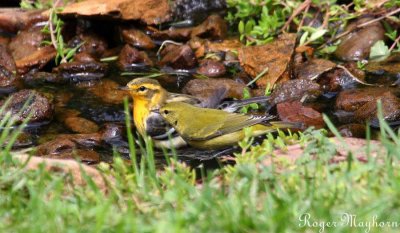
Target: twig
394,44
326,18
298,10
302,18
361,26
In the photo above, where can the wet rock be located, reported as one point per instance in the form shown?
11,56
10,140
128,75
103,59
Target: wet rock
137,38
351,100
386,71
211,68
8,81
352,130
81,71
276,56
85,140
357,44
81,125
131,59
212,91
23,140
63,147
26,42
390,109
313,68
16,19
337,80
39,105
195,10
63,113
297,89
38,78
214,27
148,11
181,57
84,57
6,60
27,52
173,33
90,43
296,112
113,133
107,91
203,47
36,60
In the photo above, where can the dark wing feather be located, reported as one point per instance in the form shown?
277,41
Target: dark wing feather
158,128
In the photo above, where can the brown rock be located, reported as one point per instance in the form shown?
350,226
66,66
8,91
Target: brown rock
131,59
211,68
390,108
214,27
84,57
26,42
180,58
16,19
40,106
176,34
81,71
351,100
296,112
90,43
313,68
37,59
203,47
107,91
337,80
212,91
296,89
137,38
148,11
81,125
65,148
357,44
38,78
276,56
388,67
8,81
6,60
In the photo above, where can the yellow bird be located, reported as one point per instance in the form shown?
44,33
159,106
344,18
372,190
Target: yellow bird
215,129
149,96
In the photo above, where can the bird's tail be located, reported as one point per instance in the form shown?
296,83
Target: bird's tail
234,105
287,125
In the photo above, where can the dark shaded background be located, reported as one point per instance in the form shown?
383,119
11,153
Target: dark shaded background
9,3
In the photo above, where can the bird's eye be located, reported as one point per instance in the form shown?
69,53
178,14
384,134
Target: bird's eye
142,88
166,112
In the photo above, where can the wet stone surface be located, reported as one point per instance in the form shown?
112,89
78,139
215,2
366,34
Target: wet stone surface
39,107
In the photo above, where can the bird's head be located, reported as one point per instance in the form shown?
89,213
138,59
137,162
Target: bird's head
146,89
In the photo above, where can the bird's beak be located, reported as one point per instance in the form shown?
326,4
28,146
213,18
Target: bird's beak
157,110
123,88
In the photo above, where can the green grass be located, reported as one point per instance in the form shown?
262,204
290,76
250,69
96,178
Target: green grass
247,197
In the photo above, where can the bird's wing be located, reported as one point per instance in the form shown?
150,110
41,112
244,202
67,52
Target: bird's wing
219,125
175,97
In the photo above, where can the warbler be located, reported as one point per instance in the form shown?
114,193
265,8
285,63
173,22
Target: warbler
149,96
215,129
